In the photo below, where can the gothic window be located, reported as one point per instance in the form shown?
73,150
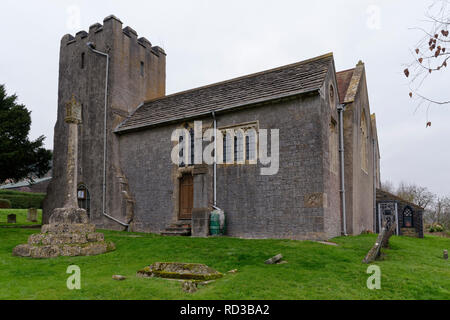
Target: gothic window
408,217
191,146
229,146
333,147
239,146
181,152
240,143
250,145
331,96
364,142
224,148
84,198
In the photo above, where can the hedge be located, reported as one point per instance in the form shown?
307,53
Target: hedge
23,200
5,204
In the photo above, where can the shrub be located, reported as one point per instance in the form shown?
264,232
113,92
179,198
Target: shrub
23,200
436,228
5,204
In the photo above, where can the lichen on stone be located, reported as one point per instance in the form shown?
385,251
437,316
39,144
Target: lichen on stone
175,270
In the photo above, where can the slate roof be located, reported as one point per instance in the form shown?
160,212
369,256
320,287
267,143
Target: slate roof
25,183
387,196
289,80
343,79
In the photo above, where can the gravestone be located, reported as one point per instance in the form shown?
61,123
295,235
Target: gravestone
32,215
381,242
11,218
68,232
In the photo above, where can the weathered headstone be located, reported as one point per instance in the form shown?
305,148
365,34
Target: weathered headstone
68,232
12,218
32,215
445,254
189,286
382,241
178,270
274,259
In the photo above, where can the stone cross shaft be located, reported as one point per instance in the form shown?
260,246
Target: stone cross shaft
73,118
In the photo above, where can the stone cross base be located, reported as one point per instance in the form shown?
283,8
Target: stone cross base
68,234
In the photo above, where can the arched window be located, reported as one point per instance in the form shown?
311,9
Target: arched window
181,152
250,145
191,146
227,146
333,147
364,144
408,217
239,146
84,198
331,97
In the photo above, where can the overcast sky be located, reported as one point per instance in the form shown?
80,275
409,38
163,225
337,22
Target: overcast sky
210,41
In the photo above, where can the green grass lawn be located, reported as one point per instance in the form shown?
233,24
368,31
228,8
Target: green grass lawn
21,217
411,269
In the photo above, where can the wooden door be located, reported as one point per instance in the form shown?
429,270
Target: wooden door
186,197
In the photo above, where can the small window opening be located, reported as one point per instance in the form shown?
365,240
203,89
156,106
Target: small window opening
142,68
82,60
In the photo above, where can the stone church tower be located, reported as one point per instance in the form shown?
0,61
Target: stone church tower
136,73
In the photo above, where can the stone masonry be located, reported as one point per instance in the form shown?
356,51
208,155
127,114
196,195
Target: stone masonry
68,232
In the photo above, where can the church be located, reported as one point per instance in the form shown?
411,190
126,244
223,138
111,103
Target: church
295,154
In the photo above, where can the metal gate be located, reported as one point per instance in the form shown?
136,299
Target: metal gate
387,215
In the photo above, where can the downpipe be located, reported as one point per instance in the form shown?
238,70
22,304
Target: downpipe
215,163
91,46
340,110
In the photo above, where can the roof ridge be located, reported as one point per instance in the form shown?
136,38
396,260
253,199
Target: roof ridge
346,70
326,55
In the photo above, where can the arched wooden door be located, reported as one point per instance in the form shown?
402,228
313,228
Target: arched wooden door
186,197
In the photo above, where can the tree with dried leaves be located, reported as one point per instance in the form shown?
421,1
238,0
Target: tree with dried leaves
437,208
430,55
418,195
440,212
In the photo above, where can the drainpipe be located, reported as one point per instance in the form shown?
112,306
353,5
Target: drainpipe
91,46
340,110
375,168
215,160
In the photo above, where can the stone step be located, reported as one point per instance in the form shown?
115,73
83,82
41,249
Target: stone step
176,233
179,228
176,228
180,224
409,232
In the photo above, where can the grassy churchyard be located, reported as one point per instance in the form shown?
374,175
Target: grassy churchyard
21,217
411,269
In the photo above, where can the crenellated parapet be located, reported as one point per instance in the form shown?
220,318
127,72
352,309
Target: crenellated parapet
111,24
136,73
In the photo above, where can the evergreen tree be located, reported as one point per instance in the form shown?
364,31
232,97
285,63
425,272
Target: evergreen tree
20,158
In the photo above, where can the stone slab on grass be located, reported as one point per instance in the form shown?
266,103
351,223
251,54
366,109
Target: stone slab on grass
176,270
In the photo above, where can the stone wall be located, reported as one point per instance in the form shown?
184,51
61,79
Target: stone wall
289,204
137,73
359,183
417,229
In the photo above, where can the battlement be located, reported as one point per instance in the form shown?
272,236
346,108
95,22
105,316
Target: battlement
112,27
